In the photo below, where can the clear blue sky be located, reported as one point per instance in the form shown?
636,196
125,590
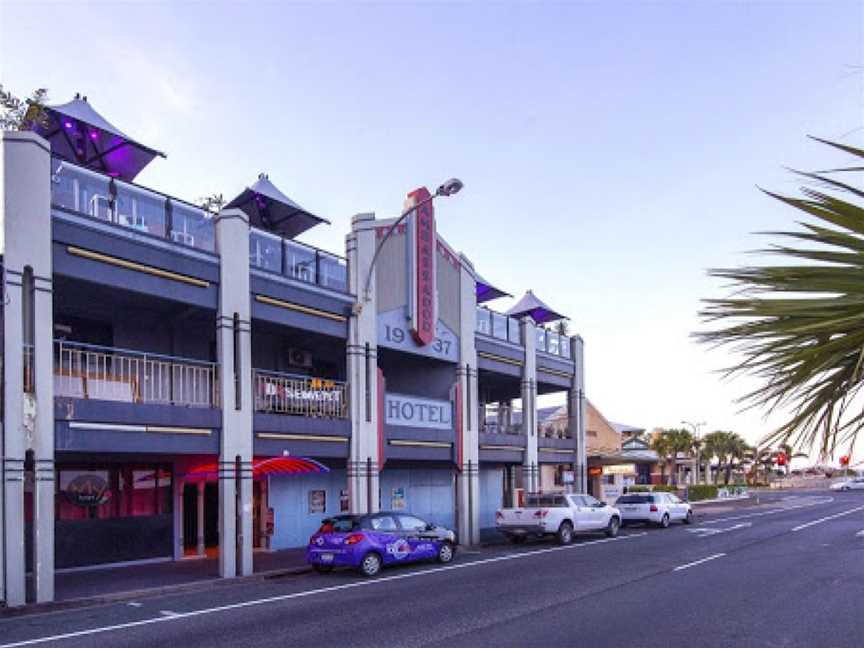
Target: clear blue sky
610,151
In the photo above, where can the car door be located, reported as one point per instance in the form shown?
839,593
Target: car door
387,537
421,544
677,508
581,512
597,512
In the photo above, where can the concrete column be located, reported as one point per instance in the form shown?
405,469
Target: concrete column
530,462
468,474
233,336
179,540
200,546
362,359
28,420
576,413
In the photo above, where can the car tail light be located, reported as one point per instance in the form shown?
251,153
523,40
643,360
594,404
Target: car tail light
499,515
542,513
312,538
653,508
354,538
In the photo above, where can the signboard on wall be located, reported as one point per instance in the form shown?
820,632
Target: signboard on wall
317,501
394,332
422,303
398,501
412,411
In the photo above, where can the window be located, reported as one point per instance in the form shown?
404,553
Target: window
635,499
411,523
383,523
591,501
95,492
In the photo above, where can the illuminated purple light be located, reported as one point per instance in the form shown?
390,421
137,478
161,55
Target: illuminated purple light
68,124
94,135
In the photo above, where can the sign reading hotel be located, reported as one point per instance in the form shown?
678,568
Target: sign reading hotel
422,311
412,411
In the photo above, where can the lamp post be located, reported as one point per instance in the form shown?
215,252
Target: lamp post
695,427
448,188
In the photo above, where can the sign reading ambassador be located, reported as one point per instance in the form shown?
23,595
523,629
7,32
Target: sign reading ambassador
421,305
412,411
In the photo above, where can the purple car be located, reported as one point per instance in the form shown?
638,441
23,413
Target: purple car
369,542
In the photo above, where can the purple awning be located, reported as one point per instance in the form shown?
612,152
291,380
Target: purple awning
487,292
271,210
81,135
533,306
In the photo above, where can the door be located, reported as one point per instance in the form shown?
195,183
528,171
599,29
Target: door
581,512
190,518
421,543
387,536
597,512
677,508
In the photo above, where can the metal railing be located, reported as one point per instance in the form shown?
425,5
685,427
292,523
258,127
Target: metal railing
286,257
105,373
498,325
554,428
552,342
281,393
83,191
496,419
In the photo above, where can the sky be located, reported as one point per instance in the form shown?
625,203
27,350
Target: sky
611,151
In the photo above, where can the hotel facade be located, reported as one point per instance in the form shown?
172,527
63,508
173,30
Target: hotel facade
180,383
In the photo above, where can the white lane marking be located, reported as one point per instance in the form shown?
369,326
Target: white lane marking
307,593
699,562
824,500
704,532
825,519
134,604
167,613
860,534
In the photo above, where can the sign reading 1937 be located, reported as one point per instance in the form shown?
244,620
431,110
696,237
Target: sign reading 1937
394,333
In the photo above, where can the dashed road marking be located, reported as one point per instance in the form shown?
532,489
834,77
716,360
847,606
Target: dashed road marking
698,562
827,518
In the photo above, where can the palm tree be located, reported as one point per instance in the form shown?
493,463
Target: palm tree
668,444
661,444
789,453
22,114
799,325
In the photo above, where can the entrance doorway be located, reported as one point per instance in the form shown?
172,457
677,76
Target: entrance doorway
210,519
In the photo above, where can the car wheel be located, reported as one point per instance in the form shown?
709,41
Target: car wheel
613,527
664,521
446,552
323,569
371,564
565,533
688,519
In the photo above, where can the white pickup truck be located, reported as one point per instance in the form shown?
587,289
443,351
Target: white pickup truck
558,514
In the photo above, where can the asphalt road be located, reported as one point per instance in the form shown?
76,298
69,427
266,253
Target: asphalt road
789,572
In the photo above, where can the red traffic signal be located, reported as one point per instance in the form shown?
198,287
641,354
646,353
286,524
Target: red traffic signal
781,459
844,460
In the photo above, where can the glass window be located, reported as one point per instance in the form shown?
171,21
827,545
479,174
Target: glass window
383,523
591,501
564,346
513,331
411,523
541,339
484,322
552,342
121,490
300,262
140,210
332,272
192,227
84,494
499,326
265,251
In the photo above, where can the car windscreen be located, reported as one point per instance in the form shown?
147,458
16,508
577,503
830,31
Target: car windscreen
635,499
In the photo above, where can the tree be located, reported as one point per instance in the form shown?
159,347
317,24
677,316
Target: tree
728,448
668,444
799,325
562,327
661,444
22,114
212,203
789,453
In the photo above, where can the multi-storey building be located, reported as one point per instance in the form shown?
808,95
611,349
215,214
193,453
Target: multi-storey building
178,382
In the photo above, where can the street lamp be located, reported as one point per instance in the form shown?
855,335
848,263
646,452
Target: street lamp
448,188
696,427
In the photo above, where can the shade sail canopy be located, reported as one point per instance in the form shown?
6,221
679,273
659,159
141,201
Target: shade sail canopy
271,210
81,135
532,305
487,292
262,468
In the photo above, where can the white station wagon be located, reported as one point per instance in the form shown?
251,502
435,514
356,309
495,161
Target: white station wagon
656,508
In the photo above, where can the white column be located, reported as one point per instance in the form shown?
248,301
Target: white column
362,359
25,242
468,474
200,542
530,462
233,337
576,410
179,541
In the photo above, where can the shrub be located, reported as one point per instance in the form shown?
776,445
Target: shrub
701,492
664,488
641,488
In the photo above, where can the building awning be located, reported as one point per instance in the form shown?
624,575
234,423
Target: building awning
81,135
269,209
260,468
487,292
531,305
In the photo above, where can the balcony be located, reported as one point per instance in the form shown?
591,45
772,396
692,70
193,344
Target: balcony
495,419
552,343
289,258
102,198
282,393
498,325
104,373
554,428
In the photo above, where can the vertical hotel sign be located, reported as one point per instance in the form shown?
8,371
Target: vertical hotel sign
423,316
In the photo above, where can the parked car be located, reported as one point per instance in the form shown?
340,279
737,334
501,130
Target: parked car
558,514
850,484
655,508
369,542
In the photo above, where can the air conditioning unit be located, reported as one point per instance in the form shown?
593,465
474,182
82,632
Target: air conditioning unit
299,358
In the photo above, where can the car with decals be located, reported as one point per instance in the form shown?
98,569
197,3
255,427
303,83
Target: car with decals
370,542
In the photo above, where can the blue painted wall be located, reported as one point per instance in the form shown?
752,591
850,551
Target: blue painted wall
289,498
491,495
429,493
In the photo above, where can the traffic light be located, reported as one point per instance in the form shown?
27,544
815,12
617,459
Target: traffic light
844,460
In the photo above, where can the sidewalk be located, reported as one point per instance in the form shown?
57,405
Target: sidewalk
106,584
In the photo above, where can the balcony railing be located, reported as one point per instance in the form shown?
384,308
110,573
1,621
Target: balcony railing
104,373
298,261
554,428
280,393
552,342
107,199
498,325
500,420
